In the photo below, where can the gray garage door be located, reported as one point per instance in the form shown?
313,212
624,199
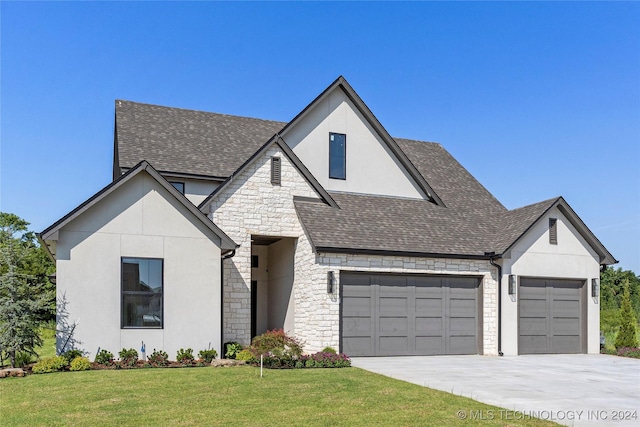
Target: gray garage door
552,316
393,315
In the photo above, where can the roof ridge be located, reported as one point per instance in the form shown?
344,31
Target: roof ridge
191,110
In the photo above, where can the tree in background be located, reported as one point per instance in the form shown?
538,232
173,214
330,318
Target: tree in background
19,306
611,294
33,261
27,297
627,333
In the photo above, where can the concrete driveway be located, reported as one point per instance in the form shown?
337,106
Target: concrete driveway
574,390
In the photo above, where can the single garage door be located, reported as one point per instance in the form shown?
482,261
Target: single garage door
552,316
394,315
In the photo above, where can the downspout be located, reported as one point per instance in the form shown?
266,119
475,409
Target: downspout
492,257
227,256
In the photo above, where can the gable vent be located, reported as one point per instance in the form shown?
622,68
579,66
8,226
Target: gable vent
553,231
275,170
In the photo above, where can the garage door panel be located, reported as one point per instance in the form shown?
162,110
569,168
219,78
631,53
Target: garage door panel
566,344
393,305
393,324
429,324
357,306
462,344
462,307
411,314
358,346
463,325
389,345
533,308
551,316
566,326
357,326
433,306
534,326
430,345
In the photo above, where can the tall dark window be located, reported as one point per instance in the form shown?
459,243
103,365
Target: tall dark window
142,285
337,156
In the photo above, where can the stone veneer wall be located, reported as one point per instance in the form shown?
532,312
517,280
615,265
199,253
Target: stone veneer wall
252,205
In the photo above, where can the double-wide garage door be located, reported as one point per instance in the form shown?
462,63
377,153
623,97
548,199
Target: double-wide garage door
552,316
393,315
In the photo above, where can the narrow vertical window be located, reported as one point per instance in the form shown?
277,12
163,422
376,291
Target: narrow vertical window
337,156
553,231
275,170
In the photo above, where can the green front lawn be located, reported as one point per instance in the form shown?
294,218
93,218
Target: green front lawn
234,397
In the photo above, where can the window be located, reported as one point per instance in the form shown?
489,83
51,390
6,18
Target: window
275,170
337,156
553,231
179,185
142,285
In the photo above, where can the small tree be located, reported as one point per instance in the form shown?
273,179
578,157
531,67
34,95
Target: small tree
627,332
19,306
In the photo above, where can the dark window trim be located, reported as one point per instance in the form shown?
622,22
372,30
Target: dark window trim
342,176
122,293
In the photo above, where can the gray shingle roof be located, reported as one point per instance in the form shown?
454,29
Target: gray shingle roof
456,187
391,224
187,141
216,145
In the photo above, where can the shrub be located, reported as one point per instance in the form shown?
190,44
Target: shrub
185,356
324,360
329,350
50,364
232,348
629,352
23,358
128,357
72,354
276,343
104,357
245,355
158,358
207,355
80,363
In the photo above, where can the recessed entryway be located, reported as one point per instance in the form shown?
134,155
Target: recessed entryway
272,273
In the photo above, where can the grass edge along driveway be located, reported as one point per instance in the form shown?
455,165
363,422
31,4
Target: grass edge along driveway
237,396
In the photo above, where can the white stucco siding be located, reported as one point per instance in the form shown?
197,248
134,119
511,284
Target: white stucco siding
371,167
533,256
140,219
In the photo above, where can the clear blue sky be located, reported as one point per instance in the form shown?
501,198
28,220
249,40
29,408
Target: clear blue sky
536,100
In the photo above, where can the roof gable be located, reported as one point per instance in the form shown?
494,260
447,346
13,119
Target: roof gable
375,162
517,223
277,140
51,233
